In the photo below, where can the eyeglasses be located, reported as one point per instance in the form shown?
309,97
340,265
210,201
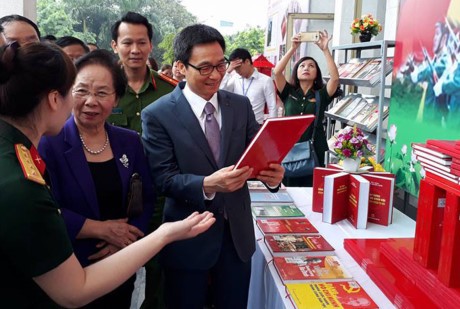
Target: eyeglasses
208,69
101,96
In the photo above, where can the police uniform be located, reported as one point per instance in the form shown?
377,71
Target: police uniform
128,112
33,236
296,103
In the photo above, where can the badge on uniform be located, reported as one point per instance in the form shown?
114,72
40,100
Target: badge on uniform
30,164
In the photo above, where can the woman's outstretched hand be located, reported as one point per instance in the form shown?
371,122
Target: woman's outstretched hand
191,226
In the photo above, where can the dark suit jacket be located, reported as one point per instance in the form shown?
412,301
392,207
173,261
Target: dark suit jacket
180,158
73,187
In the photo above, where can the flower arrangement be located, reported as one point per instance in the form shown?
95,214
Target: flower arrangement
365,24
351,143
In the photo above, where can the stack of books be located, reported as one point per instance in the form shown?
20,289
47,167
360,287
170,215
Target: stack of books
360,197
440,159
306,263
360,110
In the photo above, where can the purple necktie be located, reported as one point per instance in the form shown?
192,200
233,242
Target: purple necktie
212,131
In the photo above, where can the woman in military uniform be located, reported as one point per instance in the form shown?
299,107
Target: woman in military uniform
39,269
298,95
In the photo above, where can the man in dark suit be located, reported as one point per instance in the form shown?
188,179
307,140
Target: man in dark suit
195,174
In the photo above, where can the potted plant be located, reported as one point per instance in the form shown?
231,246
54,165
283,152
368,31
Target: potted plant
366,26
351,146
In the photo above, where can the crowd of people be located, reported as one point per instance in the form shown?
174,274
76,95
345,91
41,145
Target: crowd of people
85,135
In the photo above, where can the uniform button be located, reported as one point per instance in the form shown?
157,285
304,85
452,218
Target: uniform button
138,114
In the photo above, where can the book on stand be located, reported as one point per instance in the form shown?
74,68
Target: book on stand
286,226
304,268
276,210
347,295
293,244
273,141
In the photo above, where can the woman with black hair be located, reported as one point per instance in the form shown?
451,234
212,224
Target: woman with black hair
298,95
39,268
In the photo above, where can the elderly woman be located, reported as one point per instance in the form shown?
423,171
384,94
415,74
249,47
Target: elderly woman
91,163
39,268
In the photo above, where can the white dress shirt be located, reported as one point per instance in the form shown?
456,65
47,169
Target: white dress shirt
259,88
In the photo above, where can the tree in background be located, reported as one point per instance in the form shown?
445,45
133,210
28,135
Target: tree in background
90,21
251,39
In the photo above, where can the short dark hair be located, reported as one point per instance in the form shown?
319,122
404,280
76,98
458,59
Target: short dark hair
107,60
93,44
240,53
317,84
132,18
70,40
12,18
195,35
165,66
48,37
37,67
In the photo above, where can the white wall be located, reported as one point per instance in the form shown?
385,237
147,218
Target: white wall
25,8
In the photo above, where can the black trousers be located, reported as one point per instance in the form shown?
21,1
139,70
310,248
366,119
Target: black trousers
228,280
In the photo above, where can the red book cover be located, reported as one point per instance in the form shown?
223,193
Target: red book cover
293,244
381,190
335,197
358,197
428,231
347,295
318,186
286,226
445,146
448,181
433,155
429,163
455,170
273,141
303,268
449,266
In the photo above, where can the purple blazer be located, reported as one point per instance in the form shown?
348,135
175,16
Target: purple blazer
72,184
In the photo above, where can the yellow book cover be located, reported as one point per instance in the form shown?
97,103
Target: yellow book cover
329,295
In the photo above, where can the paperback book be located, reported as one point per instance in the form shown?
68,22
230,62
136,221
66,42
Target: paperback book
293,244
329,295
306,268
270,197
276,210
286,226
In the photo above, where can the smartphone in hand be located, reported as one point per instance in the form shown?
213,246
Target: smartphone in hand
311,36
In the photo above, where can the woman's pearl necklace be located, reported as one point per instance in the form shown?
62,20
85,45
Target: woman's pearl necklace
95,152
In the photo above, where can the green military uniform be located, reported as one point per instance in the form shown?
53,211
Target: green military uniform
33,236
128,115
128,112
296,103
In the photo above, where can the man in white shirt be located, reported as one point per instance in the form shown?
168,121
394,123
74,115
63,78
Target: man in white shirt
258,87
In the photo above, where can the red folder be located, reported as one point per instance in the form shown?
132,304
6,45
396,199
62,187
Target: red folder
273,141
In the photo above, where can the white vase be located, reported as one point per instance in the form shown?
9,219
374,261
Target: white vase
351,165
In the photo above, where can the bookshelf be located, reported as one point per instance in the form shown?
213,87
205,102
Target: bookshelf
377,81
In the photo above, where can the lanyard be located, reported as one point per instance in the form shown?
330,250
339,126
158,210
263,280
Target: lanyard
246,92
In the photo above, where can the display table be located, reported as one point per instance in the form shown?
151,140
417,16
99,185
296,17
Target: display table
266,288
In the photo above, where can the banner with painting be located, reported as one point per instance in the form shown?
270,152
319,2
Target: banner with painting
425,96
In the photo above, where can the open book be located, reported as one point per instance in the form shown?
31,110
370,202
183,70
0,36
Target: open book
274,140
